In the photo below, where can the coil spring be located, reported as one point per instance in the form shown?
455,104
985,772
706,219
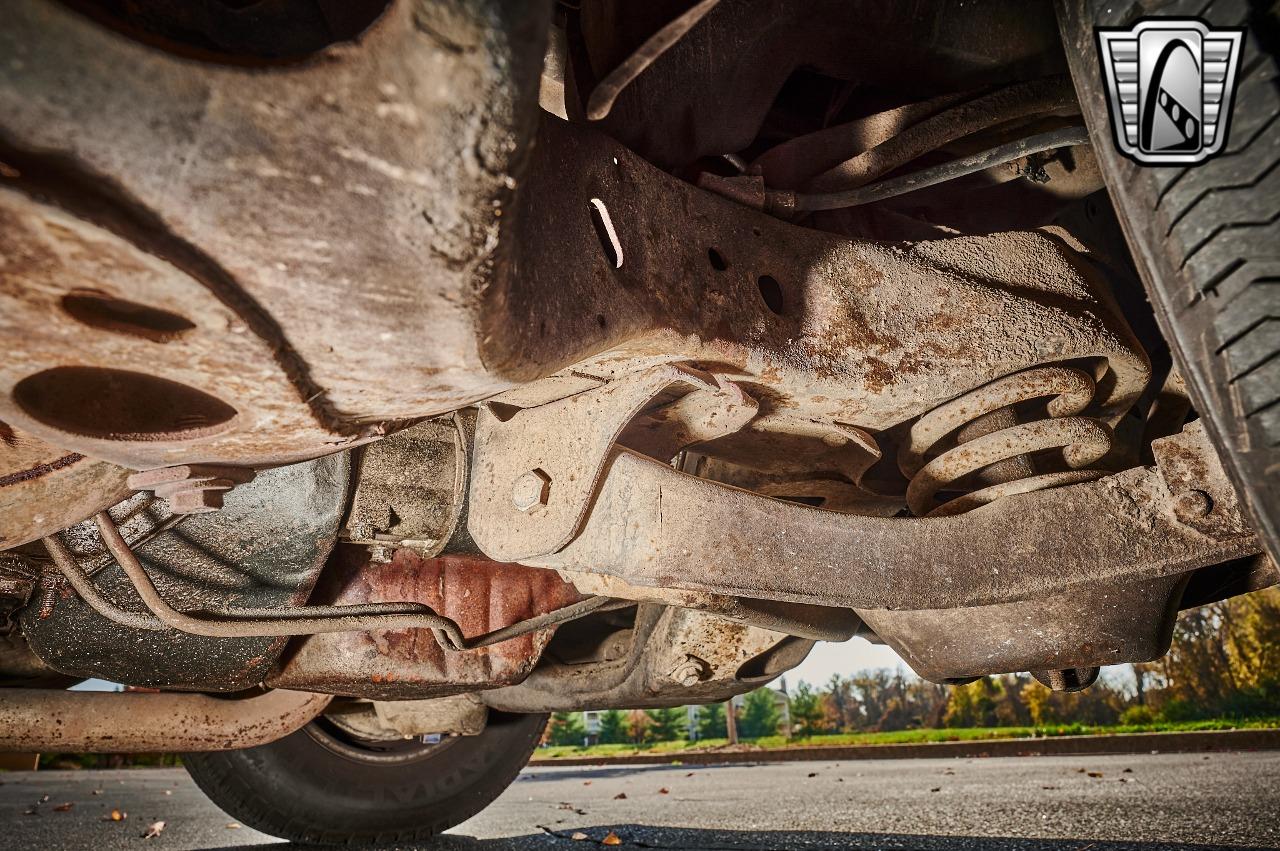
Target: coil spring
994,447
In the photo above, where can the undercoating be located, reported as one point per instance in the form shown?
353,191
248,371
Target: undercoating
265,548
463,237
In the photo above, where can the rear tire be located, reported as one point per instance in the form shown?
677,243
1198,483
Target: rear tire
322,785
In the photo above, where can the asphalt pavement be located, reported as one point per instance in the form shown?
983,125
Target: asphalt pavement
1186,802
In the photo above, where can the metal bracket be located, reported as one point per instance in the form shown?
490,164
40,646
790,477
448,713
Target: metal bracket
535,469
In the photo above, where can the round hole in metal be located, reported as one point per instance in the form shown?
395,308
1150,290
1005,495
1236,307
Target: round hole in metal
107,313
771,292
117,404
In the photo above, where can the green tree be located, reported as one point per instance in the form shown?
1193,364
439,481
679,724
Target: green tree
667,724
806,710
759,715
613,727
565,728
711,722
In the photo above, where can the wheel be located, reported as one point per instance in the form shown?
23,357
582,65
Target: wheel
324,784
1206,240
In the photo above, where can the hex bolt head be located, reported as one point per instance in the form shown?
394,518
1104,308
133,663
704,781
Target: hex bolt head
1192,505
530,490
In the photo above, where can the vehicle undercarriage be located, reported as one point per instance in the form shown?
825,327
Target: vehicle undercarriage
392,369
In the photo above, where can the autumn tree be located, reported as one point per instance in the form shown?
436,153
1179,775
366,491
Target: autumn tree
973,704
638,726
1037,697
872,689
839,705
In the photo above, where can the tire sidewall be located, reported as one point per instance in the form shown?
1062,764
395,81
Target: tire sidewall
300,789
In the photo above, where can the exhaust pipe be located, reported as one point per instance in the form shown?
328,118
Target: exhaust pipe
134,722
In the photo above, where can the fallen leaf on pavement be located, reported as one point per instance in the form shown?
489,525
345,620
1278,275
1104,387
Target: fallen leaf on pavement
96,792
664,791
621,796
936,789
116,815
1095,773
1048,787
813,774
153,830
233,826
64,808
586,782
691,773
1127,771
579,836
611,838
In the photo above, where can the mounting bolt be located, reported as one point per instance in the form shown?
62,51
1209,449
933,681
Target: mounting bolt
531,490
51,584
191,488
1191,505
195,501
691,671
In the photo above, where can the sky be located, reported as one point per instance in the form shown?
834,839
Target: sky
857,654
853,655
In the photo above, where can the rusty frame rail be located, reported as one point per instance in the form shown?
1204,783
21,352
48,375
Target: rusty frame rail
103,722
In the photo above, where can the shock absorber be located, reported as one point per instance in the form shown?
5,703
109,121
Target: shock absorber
993,450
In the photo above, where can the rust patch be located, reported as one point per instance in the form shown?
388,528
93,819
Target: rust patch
39,470
480,595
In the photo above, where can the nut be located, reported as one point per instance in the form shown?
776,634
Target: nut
691,671
531,490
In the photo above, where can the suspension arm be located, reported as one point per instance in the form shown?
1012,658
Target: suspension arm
652,525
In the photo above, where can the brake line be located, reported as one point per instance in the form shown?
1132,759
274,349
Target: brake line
813,201
287,620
